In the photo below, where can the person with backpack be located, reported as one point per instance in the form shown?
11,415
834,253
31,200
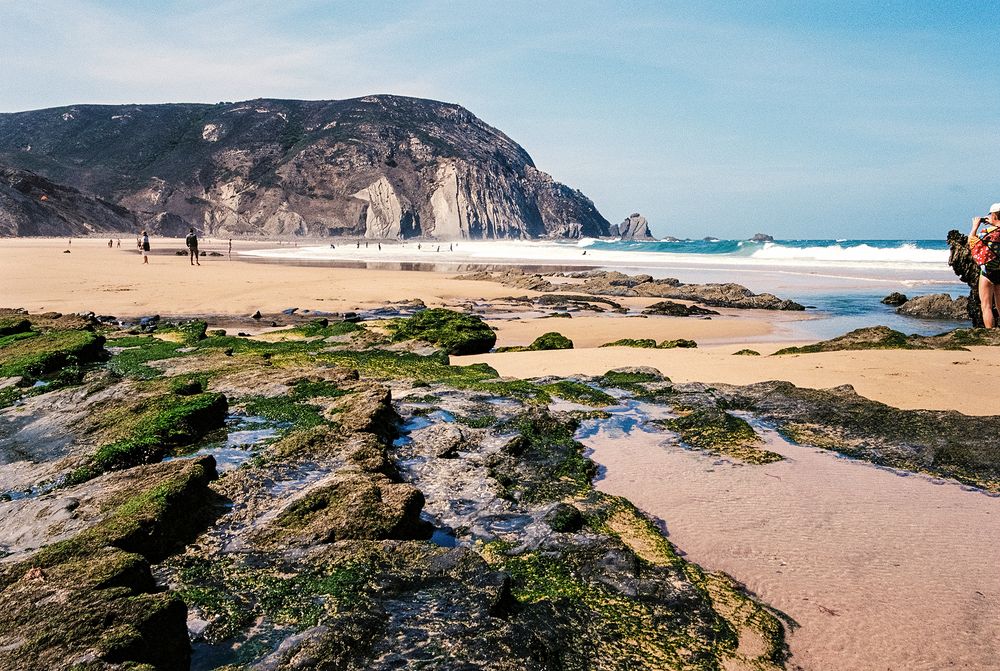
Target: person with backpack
192,244
985,247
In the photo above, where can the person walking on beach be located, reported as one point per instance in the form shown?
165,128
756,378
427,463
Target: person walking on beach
230,248
985,247
144,246
119,243
192,244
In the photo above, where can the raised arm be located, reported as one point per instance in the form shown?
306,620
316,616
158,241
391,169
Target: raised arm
976,221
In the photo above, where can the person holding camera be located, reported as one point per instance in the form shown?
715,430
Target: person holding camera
985,247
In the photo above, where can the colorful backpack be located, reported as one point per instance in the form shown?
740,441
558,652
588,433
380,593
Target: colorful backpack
986,248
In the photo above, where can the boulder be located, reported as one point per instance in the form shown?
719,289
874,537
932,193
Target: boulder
936,306
895,298
762,237
672,309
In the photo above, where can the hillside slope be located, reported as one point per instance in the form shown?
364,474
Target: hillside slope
379,166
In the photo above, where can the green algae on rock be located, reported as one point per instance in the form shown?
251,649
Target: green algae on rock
92,596
546,341
746,352
150,427
455,332
718,431
648,343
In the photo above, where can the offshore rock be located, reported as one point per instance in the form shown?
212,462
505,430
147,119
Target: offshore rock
936,306
379,167
634,228
895,298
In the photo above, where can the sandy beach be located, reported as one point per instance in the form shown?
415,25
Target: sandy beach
823,502
39,277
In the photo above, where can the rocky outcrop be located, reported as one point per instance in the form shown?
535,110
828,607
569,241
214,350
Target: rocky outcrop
33,205
634,228
672,309
614,283
762,237
379,167
961,261
936,306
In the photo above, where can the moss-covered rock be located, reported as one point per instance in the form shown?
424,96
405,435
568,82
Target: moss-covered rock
746,352
13,324
455,332
647,343
720,432
679,342
874,337
31,354
92,595
578,392
546,341
355,507
149,428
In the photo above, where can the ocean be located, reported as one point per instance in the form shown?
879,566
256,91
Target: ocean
841,281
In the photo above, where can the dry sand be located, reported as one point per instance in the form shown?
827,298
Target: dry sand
38,276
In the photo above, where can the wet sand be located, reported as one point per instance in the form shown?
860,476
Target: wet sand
882,571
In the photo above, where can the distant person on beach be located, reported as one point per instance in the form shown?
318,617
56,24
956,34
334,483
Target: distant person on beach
144,246
985,247
119,243
111,244
230,246
192,244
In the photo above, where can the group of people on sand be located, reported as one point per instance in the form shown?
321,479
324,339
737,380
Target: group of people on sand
984,243
190,241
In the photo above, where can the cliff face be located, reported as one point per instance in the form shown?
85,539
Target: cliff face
379,167
33,205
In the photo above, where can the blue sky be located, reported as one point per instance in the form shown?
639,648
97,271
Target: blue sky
799,119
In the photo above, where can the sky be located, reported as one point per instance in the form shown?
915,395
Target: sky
801,119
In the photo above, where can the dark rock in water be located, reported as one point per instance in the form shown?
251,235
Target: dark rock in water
672,309
151,320
180,252
961,261
66,251
895,298
634,228
762,237
215,254
936,306
289,311
256,315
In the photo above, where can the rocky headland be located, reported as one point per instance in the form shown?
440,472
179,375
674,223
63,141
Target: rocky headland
376,167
